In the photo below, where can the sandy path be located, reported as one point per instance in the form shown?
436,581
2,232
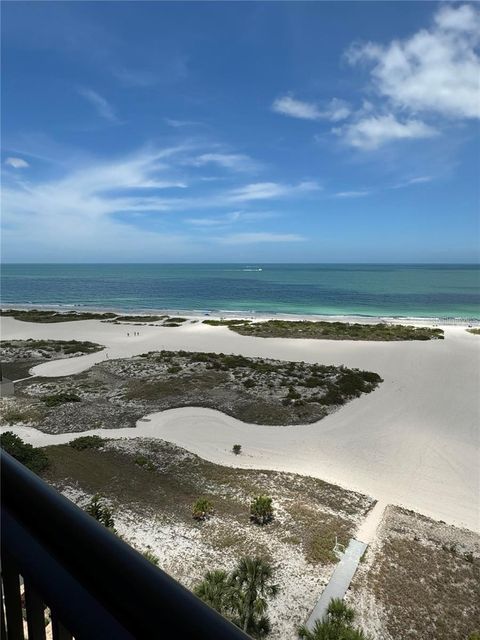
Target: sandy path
413,442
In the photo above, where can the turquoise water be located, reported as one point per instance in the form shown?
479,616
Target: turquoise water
366,290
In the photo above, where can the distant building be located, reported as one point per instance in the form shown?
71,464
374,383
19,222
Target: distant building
7,387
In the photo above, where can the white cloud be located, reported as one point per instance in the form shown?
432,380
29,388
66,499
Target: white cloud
353,194
335,110
435,71
181,123
17,163
260,237
99,209
231,161
375,131
102,106
288,106
267,190
458,18
230,218
410,181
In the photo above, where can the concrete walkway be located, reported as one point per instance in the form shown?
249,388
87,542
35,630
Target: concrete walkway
340,580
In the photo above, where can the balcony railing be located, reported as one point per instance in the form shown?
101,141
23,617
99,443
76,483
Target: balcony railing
95,585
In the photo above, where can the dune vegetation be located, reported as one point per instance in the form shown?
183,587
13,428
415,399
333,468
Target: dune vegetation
321,330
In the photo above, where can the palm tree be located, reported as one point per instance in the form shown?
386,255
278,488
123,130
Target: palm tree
98,509
261,509
336,625
215,590
252,582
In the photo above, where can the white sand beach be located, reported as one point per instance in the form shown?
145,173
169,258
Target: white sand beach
413,442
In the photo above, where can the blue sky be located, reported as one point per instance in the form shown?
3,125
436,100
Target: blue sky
247,131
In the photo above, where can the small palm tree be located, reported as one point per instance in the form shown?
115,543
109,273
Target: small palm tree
336,625
99,510
202,509
252,582
261,510
215,589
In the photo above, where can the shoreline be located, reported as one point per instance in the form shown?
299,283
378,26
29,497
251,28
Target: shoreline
218,314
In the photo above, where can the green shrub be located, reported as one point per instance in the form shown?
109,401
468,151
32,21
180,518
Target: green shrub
34,459
249,383
293,394
87,442
61,398
261,509
150,556
143,461
202,509
175,368
237,449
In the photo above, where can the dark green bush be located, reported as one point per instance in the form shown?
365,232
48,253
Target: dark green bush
261,509
61,398
87,442
34,459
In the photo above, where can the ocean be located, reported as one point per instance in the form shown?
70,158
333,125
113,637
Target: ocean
385,290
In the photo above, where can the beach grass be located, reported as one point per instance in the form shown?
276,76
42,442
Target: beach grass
322,330
40,315
424,578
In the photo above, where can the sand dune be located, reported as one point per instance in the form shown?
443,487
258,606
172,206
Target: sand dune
412,442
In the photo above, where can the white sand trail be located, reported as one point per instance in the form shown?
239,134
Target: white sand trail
412,442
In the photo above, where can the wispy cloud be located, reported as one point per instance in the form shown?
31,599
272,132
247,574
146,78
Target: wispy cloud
102,106
270,190
335,110
260,237
353,194
16,163
230,218
374,131
182,123
231,161
100,202
413,181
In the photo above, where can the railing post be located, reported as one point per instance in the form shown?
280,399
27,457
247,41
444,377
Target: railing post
13,601
35,609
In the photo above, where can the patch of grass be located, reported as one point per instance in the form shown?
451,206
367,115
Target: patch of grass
178,479
87,442
140,318
143,461
427,586
475,331
317,532
27,414
177,320
226,323
50,347
329,330
37,315
63,397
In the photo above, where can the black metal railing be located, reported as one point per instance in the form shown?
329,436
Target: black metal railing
94,585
